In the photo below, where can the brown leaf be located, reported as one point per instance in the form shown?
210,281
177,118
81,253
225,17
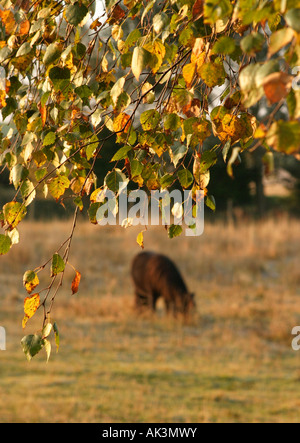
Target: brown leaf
116,15
75,283
197,9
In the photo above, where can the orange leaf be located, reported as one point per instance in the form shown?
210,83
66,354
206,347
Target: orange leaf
277,86
43,111
24,27
75,283
2,99
8,20
30,306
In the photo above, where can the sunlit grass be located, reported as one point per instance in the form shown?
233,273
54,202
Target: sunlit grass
232,362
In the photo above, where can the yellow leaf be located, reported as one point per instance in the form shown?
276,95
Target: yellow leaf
30,306
140,239
188,73
157,48
122,123
30,281
77,184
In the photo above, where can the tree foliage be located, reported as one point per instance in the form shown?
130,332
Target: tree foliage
160,78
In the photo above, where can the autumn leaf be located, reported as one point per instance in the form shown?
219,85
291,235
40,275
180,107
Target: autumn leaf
122,123
30,281
284,136
197,10
188,73
30,306
75,283
58,185
24,27
8,20
14,212
212,73
2,99
140,239
116,15
279,39
277,86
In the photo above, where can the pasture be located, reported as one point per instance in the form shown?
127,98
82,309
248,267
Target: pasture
232,362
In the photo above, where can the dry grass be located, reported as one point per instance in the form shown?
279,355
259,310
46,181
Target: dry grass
232,362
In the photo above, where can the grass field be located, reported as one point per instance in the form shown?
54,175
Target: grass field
232,362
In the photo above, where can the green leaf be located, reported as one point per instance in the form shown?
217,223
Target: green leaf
178,151
24,49
160,22
60,77
150,119
210,202
185,177
18,174
83,91
215,10
57,265
5,244
136,168
224,45
52,54
166,180
56,335
114,179
233,158
174,231
226,149
28,192
49,139
172,122
32,344
92,212
292,18
140,60
121,153
75,13
252,43
208,159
